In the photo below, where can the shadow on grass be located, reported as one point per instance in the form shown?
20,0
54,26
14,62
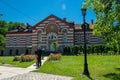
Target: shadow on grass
117,69
112,76
90,77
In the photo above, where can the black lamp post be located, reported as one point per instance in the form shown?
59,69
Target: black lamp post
86,72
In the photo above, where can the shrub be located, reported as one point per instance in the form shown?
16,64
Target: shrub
67,50
24,58
55,56
16,58
75,50
31,56
27,58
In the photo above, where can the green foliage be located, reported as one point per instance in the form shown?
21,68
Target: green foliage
67,50
2,42
55,45
96,49
14,25
4,27
16,58
108,20
75,50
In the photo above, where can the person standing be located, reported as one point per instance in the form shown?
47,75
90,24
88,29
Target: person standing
39,52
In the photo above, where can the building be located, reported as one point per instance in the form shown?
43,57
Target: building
44,33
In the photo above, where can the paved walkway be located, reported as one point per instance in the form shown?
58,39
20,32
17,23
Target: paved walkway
13,73
38,76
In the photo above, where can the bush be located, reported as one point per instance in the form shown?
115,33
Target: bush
67,50
16,58
24,58
75,50
27,58
55,56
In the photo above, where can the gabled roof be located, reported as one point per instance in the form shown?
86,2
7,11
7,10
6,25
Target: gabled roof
16,32
25,31
53,16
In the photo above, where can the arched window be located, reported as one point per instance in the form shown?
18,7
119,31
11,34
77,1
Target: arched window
17,41
17,51
10,52
39,38
27,51
51,28
79,39
65,37
52,36
11,42
2,52
28,40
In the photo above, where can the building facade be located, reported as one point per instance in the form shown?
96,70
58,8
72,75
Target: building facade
44,33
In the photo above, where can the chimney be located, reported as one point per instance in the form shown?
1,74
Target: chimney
92,22
64,19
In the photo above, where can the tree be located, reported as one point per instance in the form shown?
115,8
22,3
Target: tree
55,45
4,27
108,20
14,25
3,30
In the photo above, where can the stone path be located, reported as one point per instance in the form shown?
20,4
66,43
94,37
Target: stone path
38,76
13,73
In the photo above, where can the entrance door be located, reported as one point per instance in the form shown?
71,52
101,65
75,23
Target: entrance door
51,38
50,45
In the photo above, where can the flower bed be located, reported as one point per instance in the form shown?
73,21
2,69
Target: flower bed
55,56
25,58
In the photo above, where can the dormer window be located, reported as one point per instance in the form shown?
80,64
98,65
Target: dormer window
29,29
86,26
20,29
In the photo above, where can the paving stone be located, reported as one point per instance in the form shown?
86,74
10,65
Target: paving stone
13,73
38,76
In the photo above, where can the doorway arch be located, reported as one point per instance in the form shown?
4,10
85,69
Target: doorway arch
51,37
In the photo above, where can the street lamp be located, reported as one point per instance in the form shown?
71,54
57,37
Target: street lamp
86,72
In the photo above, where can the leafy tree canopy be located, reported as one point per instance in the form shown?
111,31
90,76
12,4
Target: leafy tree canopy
4,27
108,19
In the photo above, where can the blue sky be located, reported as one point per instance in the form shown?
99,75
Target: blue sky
33,11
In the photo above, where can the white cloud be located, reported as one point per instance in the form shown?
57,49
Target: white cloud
63,7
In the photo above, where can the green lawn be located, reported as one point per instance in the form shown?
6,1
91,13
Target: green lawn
9,60
100,67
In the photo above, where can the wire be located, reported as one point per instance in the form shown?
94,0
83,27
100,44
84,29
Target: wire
18,10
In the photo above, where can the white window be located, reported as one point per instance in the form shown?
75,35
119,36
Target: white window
28,40
17,41
39,38
11,42
52,36
65,37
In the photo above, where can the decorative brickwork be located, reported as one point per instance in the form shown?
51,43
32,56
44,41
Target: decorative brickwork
45,33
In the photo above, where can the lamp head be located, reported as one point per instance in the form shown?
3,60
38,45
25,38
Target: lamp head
84,8
83,11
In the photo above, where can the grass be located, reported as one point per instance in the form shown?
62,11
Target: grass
100,67
9,60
